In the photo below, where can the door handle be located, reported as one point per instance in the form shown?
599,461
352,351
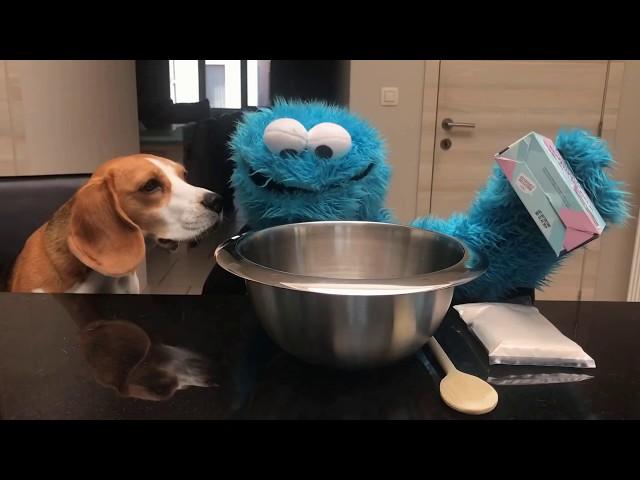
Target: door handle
448,124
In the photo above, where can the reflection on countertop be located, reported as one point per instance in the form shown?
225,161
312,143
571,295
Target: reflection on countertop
205,357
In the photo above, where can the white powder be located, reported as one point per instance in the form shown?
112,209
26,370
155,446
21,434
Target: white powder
521,335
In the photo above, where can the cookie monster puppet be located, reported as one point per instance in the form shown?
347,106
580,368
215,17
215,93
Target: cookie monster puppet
302,161
305,162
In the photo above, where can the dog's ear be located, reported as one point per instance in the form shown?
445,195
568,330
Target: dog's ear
101,235
114,349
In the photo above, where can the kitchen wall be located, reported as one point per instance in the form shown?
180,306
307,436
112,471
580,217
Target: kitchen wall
70,116
11,130
400,125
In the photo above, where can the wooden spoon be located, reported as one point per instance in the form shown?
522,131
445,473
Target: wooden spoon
461,391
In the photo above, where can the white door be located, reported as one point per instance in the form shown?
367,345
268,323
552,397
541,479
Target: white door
501,101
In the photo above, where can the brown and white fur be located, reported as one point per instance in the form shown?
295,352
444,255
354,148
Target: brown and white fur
95,241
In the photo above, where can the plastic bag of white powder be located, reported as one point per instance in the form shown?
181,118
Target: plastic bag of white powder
521,335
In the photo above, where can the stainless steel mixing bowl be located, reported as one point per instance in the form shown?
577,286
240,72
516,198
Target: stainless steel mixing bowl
350,294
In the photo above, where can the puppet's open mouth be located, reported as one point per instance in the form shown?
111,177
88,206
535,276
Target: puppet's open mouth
268,184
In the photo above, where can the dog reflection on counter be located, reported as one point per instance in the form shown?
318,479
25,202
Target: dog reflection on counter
124,357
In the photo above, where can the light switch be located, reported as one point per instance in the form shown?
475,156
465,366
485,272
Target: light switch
389,96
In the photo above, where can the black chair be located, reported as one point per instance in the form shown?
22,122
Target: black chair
162,114
207,156
25,204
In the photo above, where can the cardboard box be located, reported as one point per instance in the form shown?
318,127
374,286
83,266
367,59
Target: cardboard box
551,193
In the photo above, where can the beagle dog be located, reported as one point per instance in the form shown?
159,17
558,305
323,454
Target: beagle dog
96,240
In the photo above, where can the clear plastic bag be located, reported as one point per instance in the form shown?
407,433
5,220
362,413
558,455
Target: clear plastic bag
521,335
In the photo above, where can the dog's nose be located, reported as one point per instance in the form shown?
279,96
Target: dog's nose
212,201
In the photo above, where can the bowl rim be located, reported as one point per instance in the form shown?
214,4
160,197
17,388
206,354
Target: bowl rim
461,272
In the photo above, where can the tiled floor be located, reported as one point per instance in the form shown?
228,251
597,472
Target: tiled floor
185,271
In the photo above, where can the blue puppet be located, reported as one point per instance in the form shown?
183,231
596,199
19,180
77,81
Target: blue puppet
309,161
498,224
303,162
300,162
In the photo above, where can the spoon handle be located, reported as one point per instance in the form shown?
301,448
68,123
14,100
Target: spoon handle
442,357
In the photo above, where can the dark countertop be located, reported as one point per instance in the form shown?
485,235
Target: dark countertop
51,356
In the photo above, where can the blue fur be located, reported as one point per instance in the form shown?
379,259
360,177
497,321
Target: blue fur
335,197
498,224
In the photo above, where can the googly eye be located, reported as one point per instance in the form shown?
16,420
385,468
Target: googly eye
329,140
285,136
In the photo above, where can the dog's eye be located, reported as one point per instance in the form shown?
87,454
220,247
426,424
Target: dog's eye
285,136
151,186
329,140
